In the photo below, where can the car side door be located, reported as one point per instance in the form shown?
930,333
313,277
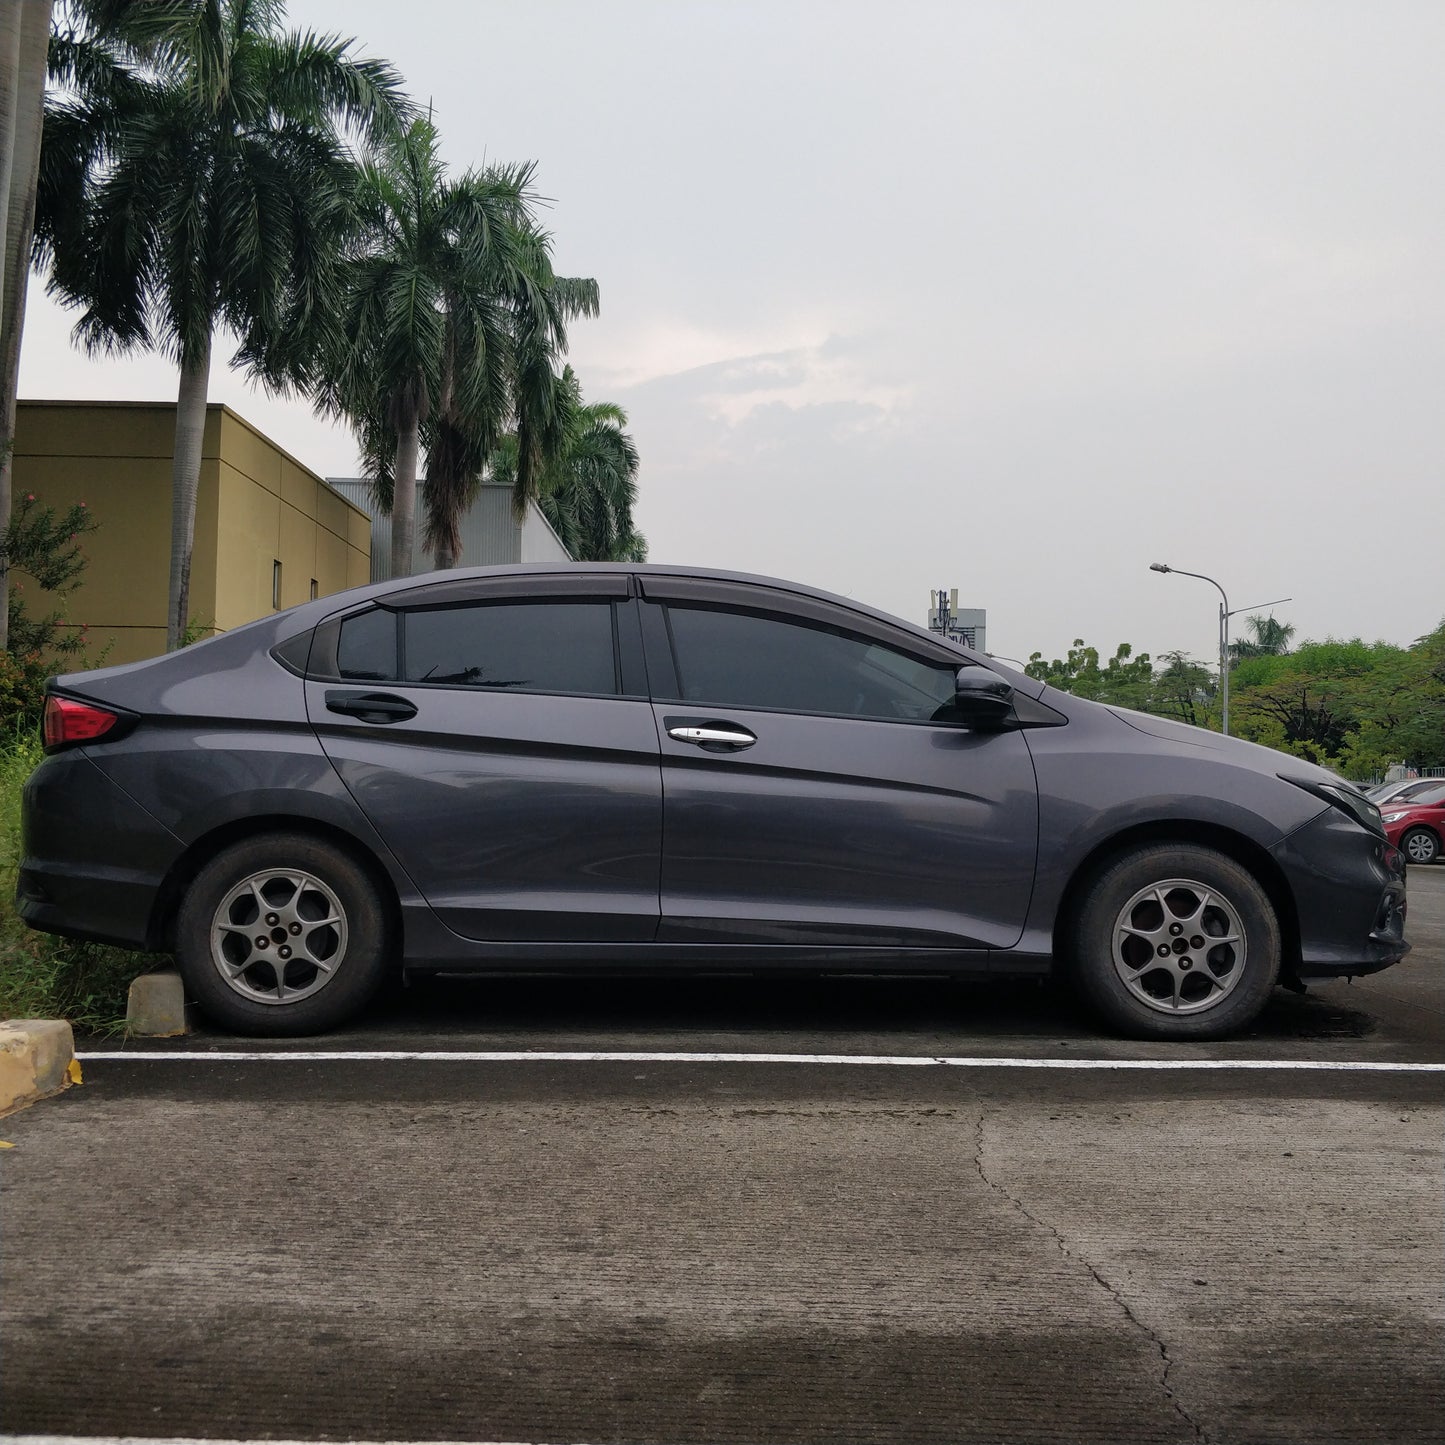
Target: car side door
816,790
498,736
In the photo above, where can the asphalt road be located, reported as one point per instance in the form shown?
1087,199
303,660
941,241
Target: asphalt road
1072,1242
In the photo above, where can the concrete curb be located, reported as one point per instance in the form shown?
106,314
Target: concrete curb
37,1059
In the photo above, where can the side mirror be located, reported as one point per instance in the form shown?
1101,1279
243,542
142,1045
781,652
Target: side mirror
981,698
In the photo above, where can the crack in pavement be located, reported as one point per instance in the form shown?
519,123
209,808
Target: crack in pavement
1109,1289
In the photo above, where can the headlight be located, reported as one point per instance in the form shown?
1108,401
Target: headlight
1346,799
1391,817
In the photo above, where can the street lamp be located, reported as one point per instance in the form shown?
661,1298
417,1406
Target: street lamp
1224,615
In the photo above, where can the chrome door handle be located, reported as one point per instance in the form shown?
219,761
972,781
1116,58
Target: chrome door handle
712,735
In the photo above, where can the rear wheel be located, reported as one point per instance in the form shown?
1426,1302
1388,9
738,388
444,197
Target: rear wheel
1176,942
1420,845
281,934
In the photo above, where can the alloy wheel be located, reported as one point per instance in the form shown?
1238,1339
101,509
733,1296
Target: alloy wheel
279,936
1179,946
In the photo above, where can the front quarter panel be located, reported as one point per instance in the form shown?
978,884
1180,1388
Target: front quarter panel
1101,780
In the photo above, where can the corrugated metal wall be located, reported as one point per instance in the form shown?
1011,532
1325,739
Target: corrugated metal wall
491,536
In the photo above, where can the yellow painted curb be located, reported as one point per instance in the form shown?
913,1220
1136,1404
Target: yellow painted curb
37,1059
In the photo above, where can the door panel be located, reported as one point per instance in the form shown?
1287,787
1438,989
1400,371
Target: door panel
518,817
496,734
843,831
817,787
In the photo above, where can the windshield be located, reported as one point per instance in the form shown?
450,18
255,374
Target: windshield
1399,792
1432,792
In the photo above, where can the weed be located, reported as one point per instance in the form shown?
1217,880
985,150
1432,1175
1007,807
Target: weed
42,976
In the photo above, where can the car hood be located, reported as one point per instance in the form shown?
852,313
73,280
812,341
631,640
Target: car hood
1237,750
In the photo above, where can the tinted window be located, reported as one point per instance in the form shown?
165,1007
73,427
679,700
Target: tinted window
519,646
366,651
739,659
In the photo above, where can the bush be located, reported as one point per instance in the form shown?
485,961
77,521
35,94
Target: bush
42,976
43,547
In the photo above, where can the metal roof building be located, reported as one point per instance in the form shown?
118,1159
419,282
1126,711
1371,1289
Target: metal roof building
491,535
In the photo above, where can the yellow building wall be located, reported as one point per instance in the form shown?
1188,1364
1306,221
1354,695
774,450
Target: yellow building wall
255,506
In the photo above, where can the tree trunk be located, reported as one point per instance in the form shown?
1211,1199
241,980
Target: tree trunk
185,477
403,503
24,38
10,25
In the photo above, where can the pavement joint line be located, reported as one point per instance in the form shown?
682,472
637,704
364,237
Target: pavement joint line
580,1056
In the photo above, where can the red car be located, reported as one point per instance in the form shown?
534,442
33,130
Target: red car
1416,826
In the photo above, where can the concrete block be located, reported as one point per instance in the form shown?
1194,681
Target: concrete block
37,1058
155,1008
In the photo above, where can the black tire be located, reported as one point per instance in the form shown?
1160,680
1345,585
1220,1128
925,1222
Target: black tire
1420,845
327,921
1215,921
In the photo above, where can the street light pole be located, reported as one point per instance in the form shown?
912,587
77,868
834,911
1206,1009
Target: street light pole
1224,615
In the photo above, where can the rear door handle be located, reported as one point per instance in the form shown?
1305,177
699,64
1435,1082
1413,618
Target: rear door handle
372,707
713,736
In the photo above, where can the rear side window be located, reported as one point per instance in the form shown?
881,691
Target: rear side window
366,650
742,659
513,646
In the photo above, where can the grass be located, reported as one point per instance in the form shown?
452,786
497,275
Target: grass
42,976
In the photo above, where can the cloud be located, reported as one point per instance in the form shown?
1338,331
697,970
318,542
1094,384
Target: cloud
830,375
728,379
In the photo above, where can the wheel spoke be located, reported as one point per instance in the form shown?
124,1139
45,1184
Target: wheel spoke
1198,914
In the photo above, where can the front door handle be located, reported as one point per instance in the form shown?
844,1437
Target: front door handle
715,737
372,707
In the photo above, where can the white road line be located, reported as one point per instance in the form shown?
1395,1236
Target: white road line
579,1056
193,1440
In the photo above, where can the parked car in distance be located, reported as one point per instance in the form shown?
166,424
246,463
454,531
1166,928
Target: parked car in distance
1399,792
634,768
1416,824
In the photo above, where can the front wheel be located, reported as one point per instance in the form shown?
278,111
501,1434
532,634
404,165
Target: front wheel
1420,845
1175,941
282,934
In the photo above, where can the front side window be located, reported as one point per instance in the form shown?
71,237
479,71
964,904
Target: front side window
513,646
751,660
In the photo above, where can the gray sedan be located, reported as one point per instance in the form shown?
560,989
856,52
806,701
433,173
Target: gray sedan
652,768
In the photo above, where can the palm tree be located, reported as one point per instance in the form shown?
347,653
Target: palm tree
24,30
588,490
1268,639
205,185
451,308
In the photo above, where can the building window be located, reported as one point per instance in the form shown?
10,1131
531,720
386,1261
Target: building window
276,584
315,591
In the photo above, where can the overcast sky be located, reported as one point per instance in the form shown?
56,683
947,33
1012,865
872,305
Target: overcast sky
1010,297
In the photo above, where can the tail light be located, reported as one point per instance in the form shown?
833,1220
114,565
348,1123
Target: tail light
68,721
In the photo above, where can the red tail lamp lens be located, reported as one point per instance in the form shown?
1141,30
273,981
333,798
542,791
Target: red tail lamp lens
75,722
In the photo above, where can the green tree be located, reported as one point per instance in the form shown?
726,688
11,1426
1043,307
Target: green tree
1125,681
1267,638
448,295
588,490
200,184
1309,702
1183,688
45,549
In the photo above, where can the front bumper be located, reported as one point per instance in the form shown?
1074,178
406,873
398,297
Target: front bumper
1349,892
